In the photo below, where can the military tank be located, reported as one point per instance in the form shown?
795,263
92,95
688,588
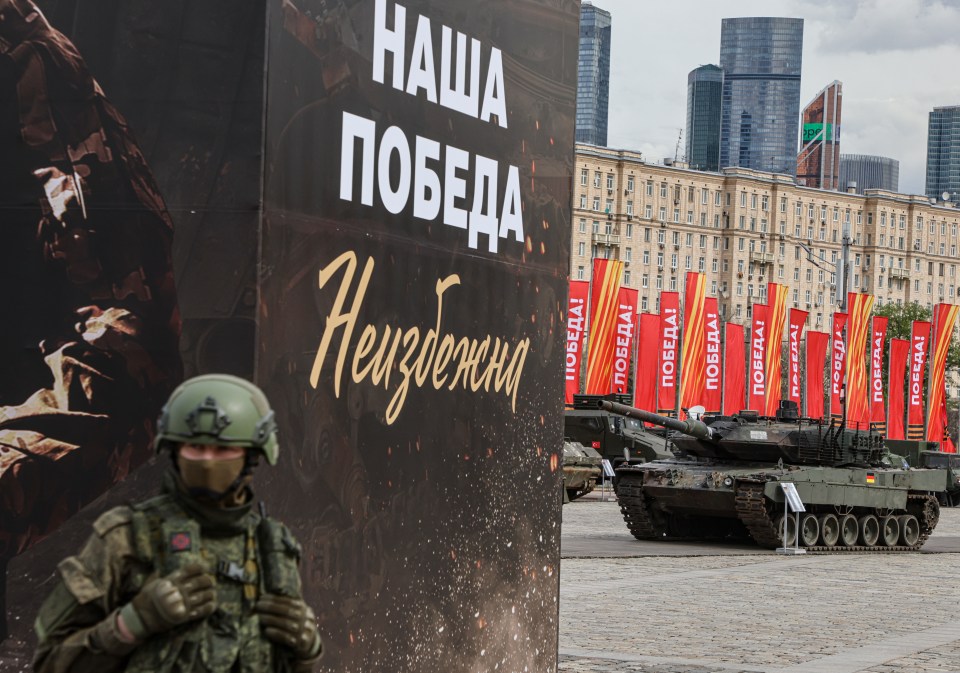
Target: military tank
581,469
726,482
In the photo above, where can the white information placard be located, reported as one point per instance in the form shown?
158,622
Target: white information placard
793,498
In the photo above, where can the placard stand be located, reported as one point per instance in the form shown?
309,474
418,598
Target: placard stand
791,502
606,475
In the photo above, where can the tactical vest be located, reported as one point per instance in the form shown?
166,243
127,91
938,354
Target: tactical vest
261,559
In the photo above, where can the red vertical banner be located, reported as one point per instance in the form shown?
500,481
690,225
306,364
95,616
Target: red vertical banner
899,352
669,349
692,362
776,319
713,371
756,378
919,344
858,408
603,323
576,322
878,335
817,343
838,365
944,320
626,319
734,385
647,364
794,386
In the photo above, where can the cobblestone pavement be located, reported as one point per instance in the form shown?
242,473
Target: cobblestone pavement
713,611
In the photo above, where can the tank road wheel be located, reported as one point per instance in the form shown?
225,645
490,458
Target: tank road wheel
791,530
889,531
809,530
869,527
849,530
829,529
909,529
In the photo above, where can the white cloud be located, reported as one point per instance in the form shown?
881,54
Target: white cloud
878,26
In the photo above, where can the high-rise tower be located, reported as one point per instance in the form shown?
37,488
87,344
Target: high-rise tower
943,153
704,89
867,171
818,162
593,77
760,57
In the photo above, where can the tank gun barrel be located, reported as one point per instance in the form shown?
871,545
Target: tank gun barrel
690,427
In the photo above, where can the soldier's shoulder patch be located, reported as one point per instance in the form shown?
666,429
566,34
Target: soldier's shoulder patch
110,519
181,541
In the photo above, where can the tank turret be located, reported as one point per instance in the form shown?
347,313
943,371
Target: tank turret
749,437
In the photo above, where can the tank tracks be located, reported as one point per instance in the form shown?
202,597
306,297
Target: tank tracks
633,506
754,512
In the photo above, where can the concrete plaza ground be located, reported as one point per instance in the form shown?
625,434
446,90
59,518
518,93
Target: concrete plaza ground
653,607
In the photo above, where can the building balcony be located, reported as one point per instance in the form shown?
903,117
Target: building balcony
761,257
899,273
606,239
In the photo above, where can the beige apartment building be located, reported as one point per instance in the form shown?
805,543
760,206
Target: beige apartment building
744,228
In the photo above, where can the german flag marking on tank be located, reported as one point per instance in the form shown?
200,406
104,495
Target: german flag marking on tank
870,478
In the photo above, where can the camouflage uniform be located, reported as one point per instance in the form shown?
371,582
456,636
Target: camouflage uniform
248,554
251,559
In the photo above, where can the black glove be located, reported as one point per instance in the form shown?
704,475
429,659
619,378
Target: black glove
290,622
165,602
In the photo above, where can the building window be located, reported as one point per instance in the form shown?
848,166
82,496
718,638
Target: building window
583,177
648,211
629,183
629,229
609,180
579,273
649,187
596,203
583,226
626,277
596,179
629,207
581,248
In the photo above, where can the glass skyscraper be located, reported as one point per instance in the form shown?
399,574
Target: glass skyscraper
593,78
760,57
704,89
943,153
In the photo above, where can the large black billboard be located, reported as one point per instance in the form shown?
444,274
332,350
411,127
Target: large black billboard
369,204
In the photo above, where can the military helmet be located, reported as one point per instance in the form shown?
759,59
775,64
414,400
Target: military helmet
219,409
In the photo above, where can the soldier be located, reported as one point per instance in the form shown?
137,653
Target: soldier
193,580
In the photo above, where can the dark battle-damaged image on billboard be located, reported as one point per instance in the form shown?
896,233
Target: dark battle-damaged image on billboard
361,205
89,346
130,137
415,252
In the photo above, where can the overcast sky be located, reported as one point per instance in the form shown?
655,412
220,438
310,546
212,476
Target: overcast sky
897,59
